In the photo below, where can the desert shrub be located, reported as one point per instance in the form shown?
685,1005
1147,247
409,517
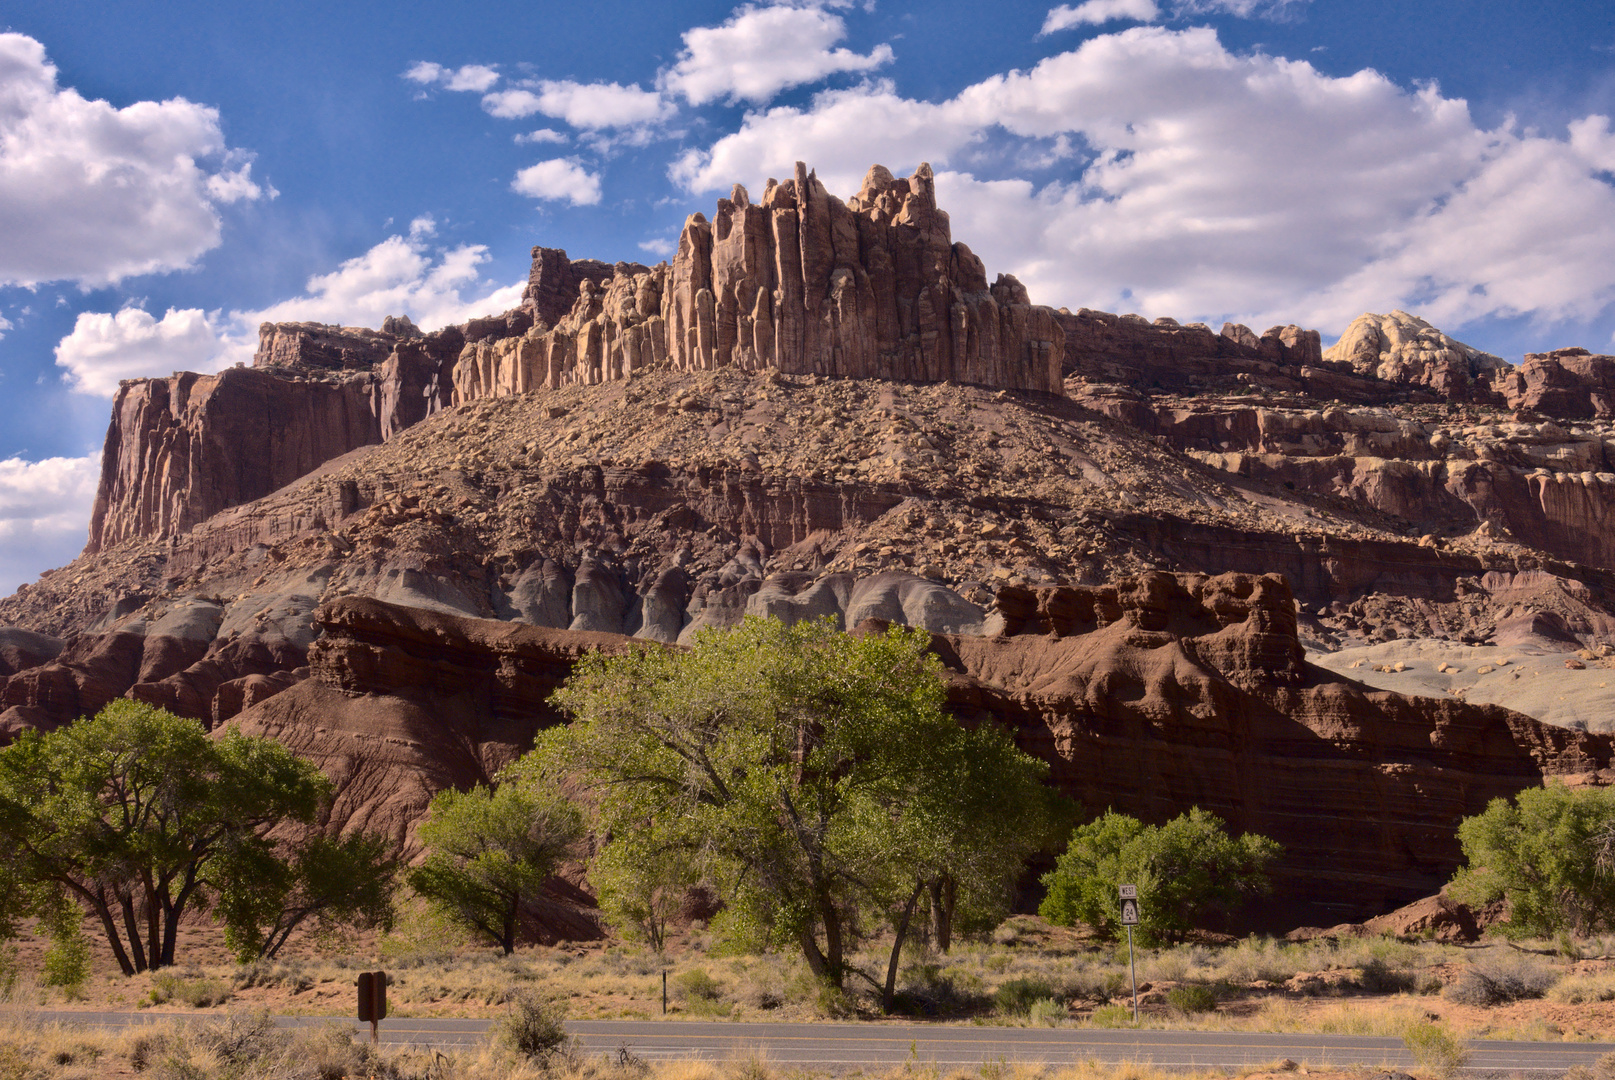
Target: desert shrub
67,960
696,984
1192,998
1016,997
243,1037
193,990
1580,989
1378,977
1602,1069
535,1028
1111,1016
1046,1012
1434,1048
1500,978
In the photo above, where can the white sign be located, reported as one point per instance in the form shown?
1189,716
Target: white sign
1129,892
1129,912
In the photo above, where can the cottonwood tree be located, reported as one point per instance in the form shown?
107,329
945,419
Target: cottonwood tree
1547,853
137,813
1188,872
491,848
325,882
810,777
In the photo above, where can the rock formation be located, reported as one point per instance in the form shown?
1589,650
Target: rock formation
1404,349
800,282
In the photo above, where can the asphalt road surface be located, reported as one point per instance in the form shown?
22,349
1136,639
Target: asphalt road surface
847,1046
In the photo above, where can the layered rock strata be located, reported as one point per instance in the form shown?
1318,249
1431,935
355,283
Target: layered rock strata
1146,695
802,282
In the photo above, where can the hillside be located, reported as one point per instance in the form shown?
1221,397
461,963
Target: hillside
1142,546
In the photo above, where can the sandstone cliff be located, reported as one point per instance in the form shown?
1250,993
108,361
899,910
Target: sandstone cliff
801,282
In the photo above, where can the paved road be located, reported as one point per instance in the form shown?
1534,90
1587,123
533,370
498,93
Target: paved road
836,1046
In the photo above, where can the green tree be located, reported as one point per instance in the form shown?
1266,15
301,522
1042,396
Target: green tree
265,895
1544,853
1188,872
490,848
134,812
810,777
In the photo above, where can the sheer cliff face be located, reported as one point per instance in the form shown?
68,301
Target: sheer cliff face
803,282
179,450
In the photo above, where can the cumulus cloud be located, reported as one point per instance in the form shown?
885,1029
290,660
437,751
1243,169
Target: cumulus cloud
95,194
104,348
402,275
590,106
475,78
1095,12
760,51
660,245
1211,184
44,514
5,324
558,178
542,135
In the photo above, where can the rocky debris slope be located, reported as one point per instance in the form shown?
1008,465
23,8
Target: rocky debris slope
801,282
1148,694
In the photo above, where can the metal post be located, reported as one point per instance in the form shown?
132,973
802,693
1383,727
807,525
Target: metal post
374,1036
664,991
1133,965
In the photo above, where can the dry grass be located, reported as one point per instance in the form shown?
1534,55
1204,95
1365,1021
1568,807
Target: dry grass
244,1046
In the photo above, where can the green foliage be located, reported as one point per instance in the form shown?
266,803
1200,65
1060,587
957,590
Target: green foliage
67,960
1541,852
1015,997
140,811
1434,1048
641,889
327,882
809,777
1192,998
489,849
1188,872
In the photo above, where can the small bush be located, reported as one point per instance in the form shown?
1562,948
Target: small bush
1434,1048
1501,978
1017,996
696,984
67,960
535,1027
1192,998
1378,977
1580,989
1112,1016
1046,1012
243,1037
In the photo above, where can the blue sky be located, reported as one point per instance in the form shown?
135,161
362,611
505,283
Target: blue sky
172,173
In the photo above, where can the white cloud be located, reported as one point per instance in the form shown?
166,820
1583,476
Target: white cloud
475,78
95,194
104,348
659,246
5,324
589,106
1213,184
44,514
760,51
399,276
542,135
558,178
1095,12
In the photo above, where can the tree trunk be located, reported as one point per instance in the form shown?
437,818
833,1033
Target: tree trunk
813,955
154,933
888,994
944,894
131,927
110,925
832,939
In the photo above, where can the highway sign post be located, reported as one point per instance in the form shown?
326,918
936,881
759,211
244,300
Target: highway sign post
373,1000
1129,899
